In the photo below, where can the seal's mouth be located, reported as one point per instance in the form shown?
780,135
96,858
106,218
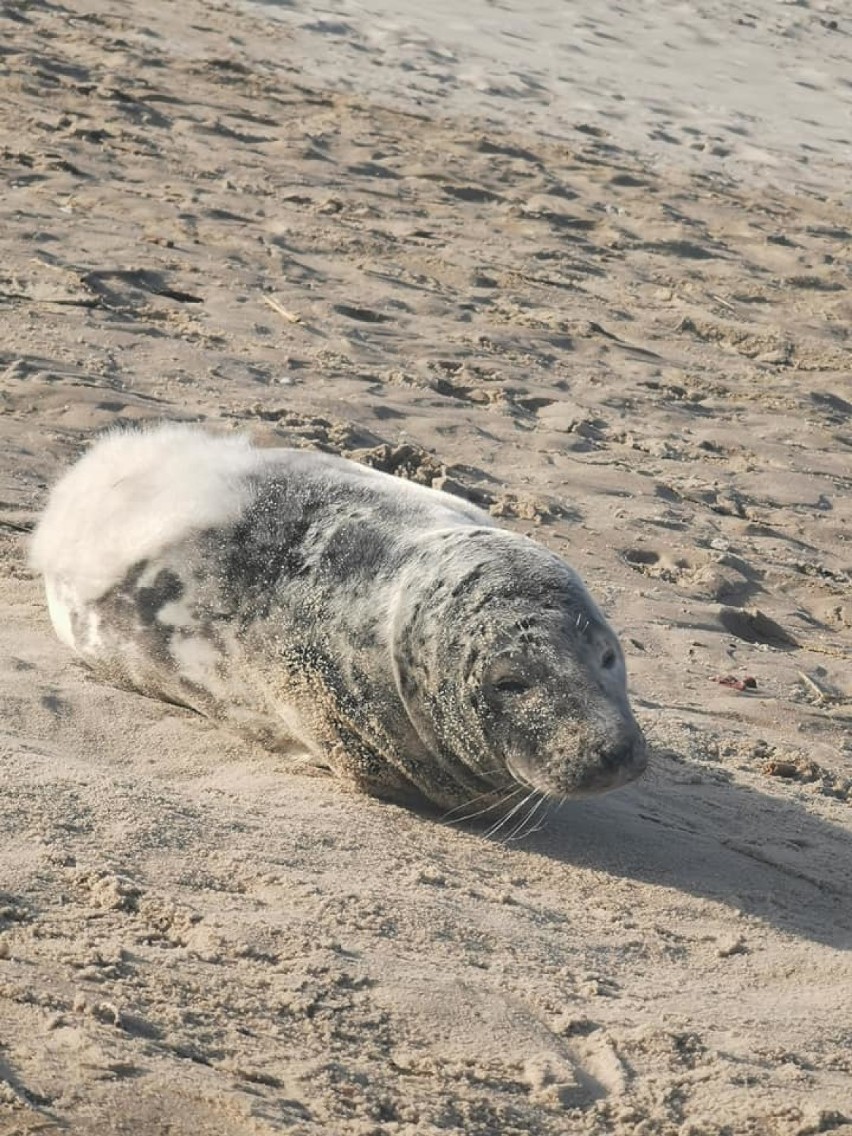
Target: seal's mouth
594,773
616,769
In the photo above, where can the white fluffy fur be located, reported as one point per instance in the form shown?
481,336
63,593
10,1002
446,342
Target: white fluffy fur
133,494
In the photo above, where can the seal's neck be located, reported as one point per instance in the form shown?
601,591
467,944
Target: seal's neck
432,624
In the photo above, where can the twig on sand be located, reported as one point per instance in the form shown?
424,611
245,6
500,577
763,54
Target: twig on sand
722,301
816,689
291,317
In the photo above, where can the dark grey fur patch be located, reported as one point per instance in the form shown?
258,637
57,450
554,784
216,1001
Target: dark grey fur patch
468,582
166,588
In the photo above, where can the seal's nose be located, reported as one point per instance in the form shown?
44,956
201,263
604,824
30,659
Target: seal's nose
619,755
627,759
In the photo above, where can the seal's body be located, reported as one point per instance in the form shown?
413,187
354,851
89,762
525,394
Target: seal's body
390,631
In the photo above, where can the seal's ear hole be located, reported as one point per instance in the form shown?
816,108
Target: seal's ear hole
609,659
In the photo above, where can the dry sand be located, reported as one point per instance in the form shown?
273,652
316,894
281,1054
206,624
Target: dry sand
643,361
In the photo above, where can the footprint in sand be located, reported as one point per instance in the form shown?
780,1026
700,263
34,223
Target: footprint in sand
721,578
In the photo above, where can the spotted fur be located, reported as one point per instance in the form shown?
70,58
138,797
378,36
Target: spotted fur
389,631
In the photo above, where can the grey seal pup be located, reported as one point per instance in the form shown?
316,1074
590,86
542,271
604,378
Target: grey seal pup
392,633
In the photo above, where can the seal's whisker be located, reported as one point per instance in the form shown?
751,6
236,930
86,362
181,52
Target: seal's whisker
535,828
467,804
497,805
495,828
522,831
524,818
513,835
516,831
545,814
533,825
481,812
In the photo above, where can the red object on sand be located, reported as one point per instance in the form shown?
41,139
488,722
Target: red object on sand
747,683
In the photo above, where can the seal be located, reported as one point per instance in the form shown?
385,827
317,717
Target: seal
390,633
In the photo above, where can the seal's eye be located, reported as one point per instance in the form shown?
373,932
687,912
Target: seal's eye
609,659
511,685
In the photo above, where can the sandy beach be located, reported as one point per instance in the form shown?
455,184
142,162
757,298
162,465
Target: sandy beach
588,267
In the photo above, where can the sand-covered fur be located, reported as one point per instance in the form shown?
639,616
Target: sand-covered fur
389,628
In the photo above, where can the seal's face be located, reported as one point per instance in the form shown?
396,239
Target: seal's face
511,674
551,700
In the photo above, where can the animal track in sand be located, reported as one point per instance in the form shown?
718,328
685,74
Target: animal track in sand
557,1068
753,626
487,388
720,577
414,463
362,315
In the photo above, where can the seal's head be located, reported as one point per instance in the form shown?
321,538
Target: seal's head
510,673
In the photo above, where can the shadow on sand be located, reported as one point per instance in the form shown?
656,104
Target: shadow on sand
720,841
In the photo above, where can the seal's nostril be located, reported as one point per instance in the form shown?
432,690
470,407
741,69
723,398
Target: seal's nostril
608,660
625,754
617,756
